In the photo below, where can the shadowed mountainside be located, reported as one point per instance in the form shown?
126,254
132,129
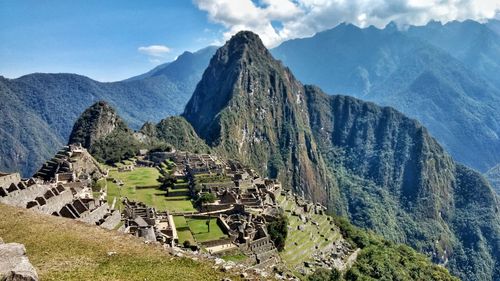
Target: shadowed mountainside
371,163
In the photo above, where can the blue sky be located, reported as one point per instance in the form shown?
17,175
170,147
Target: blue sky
99,39
110,40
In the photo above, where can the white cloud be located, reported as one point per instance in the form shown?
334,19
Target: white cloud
156,51
300,18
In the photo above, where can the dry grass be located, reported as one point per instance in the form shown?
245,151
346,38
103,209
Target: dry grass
63,249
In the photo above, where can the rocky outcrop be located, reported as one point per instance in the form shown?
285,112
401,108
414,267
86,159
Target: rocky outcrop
96,122
104,134
14,264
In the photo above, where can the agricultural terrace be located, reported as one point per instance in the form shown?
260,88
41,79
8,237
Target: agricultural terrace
301,244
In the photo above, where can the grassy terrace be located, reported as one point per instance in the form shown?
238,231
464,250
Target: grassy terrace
63,249
151,196
183,230
199,229
300,245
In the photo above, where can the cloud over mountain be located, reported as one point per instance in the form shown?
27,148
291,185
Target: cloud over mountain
279,20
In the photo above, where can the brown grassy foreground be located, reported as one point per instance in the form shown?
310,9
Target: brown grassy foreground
63,249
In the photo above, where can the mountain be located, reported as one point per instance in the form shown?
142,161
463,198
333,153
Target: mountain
373,164
249,106
174,131
494,25
39,110
104,134
96,122
493,175
449,90
25,137
474,44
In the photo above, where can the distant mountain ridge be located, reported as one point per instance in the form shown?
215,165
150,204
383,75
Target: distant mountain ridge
39,109
457,105
428,73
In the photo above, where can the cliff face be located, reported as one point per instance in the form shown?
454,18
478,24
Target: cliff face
371,163
445,76
249,106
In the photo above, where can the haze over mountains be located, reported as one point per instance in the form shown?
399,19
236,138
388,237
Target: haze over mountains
372,164
38,110
430,73
445,76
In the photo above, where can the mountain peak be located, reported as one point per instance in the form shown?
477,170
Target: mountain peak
242,45
97,121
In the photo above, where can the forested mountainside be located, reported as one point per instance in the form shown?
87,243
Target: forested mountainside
493,175
371,163
430,73
50,104
368,255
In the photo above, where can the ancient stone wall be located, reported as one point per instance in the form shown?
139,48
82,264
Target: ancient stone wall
112,221
7,179
55,203
95,215
21,197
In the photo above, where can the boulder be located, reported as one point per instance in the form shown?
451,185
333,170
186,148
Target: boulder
14,264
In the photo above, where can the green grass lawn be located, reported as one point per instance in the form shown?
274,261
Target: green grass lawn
154,197
64,249
183,230
236,257
199,229
141,176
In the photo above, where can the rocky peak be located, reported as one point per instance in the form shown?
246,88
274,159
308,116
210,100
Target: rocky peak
249,106
96,122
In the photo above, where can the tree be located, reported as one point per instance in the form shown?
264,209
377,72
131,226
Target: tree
205,198
323,274
278,230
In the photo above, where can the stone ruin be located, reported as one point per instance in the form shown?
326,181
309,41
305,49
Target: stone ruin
145,222
245,203
62,187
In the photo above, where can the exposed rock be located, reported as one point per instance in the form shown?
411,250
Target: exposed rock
14,264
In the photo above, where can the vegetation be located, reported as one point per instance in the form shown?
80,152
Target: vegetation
115,147
323,274
183,230
205,198
200,229
174,131
380,259
77,251
236,257
278,231
152,195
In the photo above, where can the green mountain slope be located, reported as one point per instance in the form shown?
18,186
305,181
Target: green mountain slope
104,134
493,175
53,102
373,164
443,79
